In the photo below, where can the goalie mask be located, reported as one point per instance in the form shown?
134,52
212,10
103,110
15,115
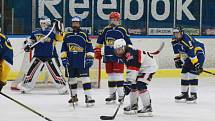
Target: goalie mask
45,22
119,47
76,22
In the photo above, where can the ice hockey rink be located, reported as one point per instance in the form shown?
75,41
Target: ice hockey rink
163,90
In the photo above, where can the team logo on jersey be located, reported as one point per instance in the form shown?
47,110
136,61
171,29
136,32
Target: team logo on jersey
75,47
129,56
41,36
110,41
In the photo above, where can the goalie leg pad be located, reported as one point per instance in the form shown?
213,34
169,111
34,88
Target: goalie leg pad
56,74
30,78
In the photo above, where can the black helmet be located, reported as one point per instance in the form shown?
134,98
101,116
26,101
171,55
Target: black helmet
178,29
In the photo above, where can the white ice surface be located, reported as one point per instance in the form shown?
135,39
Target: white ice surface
163,90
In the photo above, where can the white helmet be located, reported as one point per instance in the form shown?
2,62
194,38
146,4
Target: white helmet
119,43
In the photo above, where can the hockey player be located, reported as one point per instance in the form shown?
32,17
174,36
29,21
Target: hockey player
77,56
114,65
6,59
190,56
43,54
141,66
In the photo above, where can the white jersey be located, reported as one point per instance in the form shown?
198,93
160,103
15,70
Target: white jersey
149,64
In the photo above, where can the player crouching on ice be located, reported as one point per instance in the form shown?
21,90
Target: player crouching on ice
43,54
190,56
141,66
77,57
6,59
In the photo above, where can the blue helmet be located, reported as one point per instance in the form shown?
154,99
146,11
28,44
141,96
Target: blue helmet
76,19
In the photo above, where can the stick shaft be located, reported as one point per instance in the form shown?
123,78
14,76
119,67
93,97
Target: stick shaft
28,108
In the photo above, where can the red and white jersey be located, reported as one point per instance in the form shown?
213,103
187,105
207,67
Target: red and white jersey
138,62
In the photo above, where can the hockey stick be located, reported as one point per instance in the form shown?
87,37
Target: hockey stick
30,109
208,72
99,75
67,71
113,117
159,49
32,46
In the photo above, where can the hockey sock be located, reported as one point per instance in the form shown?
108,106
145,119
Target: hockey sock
112,87
87,88
73,85
184,85
120,87
145,97
193,85
133,95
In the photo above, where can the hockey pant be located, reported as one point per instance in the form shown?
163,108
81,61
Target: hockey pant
4,71
139,89
33,72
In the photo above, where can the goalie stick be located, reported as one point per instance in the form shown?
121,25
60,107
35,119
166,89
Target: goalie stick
32,46
28,108
114,115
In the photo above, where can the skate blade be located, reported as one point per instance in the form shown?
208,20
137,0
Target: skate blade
148,114
132,112
90,104
191,102
180,101
110,102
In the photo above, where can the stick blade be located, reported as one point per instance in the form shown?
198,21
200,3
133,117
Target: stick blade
106,117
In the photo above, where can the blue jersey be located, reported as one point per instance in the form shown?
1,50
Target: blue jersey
75,47
188,47
6,50
44,49
108,37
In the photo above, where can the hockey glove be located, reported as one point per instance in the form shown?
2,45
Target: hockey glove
98,54
127,88
178,62
198,68
65,62
27,48
88,62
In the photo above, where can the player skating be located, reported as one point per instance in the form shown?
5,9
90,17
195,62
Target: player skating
77,56
190,56
141,66
44,53
114,65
